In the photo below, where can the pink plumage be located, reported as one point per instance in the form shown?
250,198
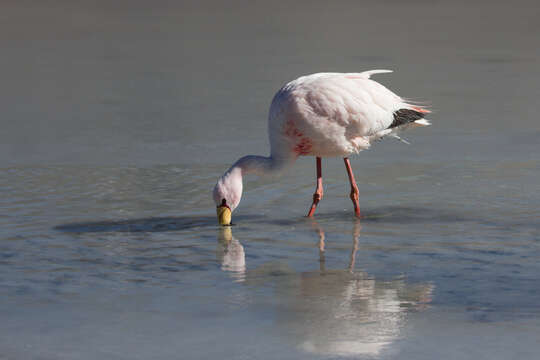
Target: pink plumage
332,114
324,115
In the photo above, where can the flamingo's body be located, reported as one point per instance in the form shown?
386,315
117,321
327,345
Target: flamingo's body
323,115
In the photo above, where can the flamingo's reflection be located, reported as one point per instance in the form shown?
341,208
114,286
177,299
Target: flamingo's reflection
231,254
343,312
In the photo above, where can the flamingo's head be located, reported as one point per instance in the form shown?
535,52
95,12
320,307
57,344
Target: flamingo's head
227,195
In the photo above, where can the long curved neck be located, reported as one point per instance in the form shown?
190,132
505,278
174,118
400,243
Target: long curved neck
261,165
229,186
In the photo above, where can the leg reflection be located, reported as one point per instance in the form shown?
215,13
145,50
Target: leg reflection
356,235
321,244
320,232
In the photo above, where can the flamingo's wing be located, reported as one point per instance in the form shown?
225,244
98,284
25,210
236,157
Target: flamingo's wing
351,101
375,105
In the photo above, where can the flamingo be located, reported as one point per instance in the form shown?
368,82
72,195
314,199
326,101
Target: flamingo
321,115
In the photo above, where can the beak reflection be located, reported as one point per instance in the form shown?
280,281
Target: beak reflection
231,255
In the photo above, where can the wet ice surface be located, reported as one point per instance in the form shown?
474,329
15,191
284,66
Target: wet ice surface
98,267
115,132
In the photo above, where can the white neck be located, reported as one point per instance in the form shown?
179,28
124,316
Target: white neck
261,165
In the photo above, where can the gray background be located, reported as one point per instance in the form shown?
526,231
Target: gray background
119,116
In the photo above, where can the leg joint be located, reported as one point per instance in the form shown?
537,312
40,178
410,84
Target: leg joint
354,193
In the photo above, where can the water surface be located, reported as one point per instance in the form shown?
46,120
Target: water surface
118,119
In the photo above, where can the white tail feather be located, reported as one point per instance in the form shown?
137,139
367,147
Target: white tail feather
367,74
422,122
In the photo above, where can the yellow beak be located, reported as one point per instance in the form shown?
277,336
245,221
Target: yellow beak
224,215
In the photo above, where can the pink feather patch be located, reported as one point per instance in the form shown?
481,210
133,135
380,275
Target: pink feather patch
303,144
420,110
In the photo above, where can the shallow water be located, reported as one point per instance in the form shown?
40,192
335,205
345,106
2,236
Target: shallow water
118,120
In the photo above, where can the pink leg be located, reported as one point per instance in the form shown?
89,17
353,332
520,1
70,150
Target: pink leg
319,191
354,188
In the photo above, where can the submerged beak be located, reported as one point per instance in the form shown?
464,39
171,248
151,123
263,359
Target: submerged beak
224,215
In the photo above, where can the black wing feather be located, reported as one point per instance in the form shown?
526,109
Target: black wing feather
405,116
